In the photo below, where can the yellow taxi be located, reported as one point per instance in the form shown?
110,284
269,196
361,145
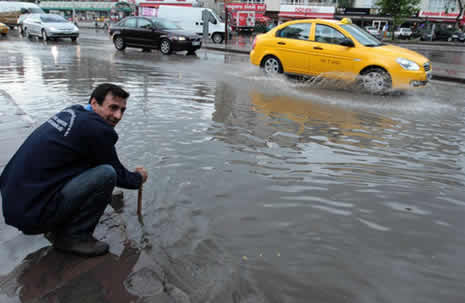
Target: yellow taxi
342,50
3,29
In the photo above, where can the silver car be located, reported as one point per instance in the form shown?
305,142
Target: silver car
49,26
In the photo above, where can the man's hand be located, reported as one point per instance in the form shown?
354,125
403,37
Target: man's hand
141,170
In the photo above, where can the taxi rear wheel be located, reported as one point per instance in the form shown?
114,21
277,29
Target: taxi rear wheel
271,65
375,80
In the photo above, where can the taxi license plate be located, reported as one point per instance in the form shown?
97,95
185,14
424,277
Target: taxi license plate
196,43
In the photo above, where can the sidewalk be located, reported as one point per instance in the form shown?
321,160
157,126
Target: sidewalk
243,44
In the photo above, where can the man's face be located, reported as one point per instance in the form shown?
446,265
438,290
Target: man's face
111,110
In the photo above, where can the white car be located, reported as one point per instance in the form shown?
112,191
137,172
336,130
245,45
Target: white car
374,32
49,26
403,33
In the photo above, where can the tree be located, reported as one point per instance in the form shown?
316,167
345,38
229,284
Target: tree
399,10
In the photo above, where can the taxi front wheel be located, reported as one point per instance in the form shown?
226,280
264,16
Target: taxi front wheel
375,80
271,65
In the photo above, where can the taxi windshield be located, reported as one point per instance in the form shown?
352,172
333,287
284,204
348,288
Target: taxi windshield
360,35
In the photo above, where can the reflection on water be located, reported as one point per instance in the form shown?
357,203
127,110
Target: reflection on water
264,190
330,122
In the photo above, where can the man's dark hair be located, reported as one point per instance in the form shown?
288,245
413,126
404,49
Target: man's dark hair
103,89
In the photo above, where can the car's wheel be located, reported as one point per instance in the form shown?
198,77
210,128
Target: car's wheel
165,47
217,38
44,35
21,31
73,39
119,43
375,80
271,65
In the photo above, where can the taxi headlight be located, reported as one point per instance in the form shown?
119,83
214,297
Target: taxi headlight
407,64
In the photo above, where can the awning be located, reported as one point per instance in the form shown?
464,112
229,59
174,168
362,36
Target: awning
81,6
304,15
155,4
441,20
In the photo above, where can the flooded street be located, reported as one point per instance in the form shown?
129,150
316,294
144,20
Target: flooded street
262,189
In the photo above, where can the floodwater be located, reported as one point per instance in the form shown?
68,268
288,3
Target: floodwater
264,189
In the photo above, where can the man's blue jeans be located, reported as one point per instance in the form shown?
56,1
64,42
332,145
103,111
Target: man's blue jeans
81,202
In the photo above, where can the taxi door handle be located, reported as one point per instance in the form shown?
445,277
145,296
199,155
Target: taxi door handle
281,43
318,48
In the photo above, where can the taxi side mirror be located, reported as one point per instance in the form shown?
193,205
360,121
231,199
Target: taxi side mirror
347,42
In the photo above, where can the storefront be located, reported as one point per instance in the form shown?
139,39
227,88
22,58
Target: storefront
291,12
441,17
244,16
440,21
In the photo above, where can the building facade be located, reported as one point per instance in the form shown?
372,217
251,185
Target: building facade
89,10
244,13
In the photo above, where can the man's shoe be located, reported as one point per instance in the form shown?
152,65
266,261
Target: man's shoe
86,246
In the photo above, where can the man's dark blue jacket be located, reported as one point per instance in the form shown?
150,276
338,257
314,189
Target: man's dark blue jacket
69,143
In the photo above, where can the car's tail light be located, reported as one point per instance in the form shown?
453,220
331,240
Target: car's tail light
254,42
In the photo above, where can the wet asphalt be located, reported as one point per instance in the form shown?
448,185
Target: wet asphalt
261,189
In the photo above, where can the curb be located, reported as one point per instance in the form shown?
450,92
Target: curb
449,79
224,49
454,44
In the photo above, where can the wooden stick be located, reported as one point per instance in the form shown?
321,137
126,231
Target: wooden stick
139,201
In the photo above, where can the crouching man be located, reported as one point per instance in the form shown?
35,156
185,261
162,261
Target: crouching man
61,179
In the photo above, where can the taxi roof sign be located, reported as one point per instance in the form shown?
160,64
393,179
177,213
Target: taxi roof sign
346,21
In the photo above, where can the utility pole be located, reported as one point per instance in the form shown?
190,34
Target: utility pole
226,27
74,11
